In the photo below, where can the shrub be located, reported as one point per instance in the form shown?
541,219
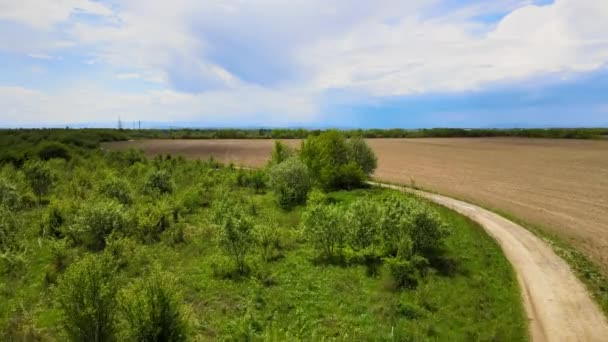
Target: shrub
395,224
8,230
9,196
52,150
361,225
53,222
118,189
152,220
38,174
427,232
96,221
159,181
323,228
267,239
235,231
255,179
152,309
404,274
290,182
85,294
280,153
362,155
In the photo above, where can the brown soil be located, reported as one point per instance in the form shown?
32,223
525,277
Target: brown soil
561,185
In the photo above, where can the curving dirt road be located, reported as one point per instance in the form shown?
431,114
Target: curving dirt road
558,306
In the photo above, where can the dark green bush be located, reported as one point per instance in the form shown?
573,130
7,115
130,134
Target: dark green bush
361,223
362,155
402,271
117,188
280,153
324,228
86,296
52,150
159,181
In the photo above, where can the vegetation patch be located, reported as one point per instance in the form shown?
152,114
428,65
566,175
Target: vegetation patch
115,246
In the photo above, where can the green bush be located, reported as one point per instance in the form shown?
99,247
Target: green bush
52,150
152,309
8,230
96,221
362,155
235,231
267,239
9,196
86,296
323,227
402,271
280,153
38,174
118,189
290,181
152,220
395,224
159,181
427,232
361,223
336,163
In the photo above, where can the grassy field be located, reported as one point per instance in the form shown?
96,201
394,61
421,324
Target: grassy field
165,230
559,185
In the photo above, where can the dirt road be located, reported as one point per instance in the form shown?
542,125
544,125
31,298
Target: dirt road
557,304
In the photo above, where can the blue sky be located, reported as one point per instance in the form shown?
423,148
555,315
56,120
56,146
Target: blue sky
273,63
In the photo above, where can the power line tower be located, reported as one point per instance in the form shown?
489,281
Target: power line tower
119,124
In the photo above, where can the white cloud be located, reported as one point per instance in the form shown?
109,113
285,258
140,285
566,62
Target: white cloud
44,13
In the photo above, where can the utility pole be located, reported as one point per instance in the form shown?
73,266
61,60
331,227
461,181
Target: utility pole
119,123
139,125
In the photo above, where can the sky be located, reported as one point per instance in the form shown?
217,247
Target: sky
304,63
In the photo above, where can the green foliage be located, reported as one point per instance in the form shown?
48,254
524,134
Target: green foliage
86,296
323,227
96,221
50,150
8,230
255,179
361,223
9,195
117,188
159,181
427,232
290,182
362,155
152,220
280,153
38,175
336,163
267,239
235,231
403,273
152,309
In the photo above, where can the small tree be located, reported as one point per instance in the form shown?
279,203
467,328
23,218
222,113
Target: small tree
280,153
362,155
267,238
427,232
9,196
52,150
235,231
38,175
152,309
290,182
85,294
323,227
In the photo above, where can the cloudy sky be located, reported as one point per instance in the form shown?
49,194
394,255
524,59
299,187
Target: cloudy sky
344,63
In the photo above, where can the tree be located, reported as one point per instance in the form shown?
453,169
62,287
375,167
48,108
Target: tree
86,296
9,196
267,238
329,160
118,189
323,228
427,232
362,155
152,309
290,181
38,174
235,230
